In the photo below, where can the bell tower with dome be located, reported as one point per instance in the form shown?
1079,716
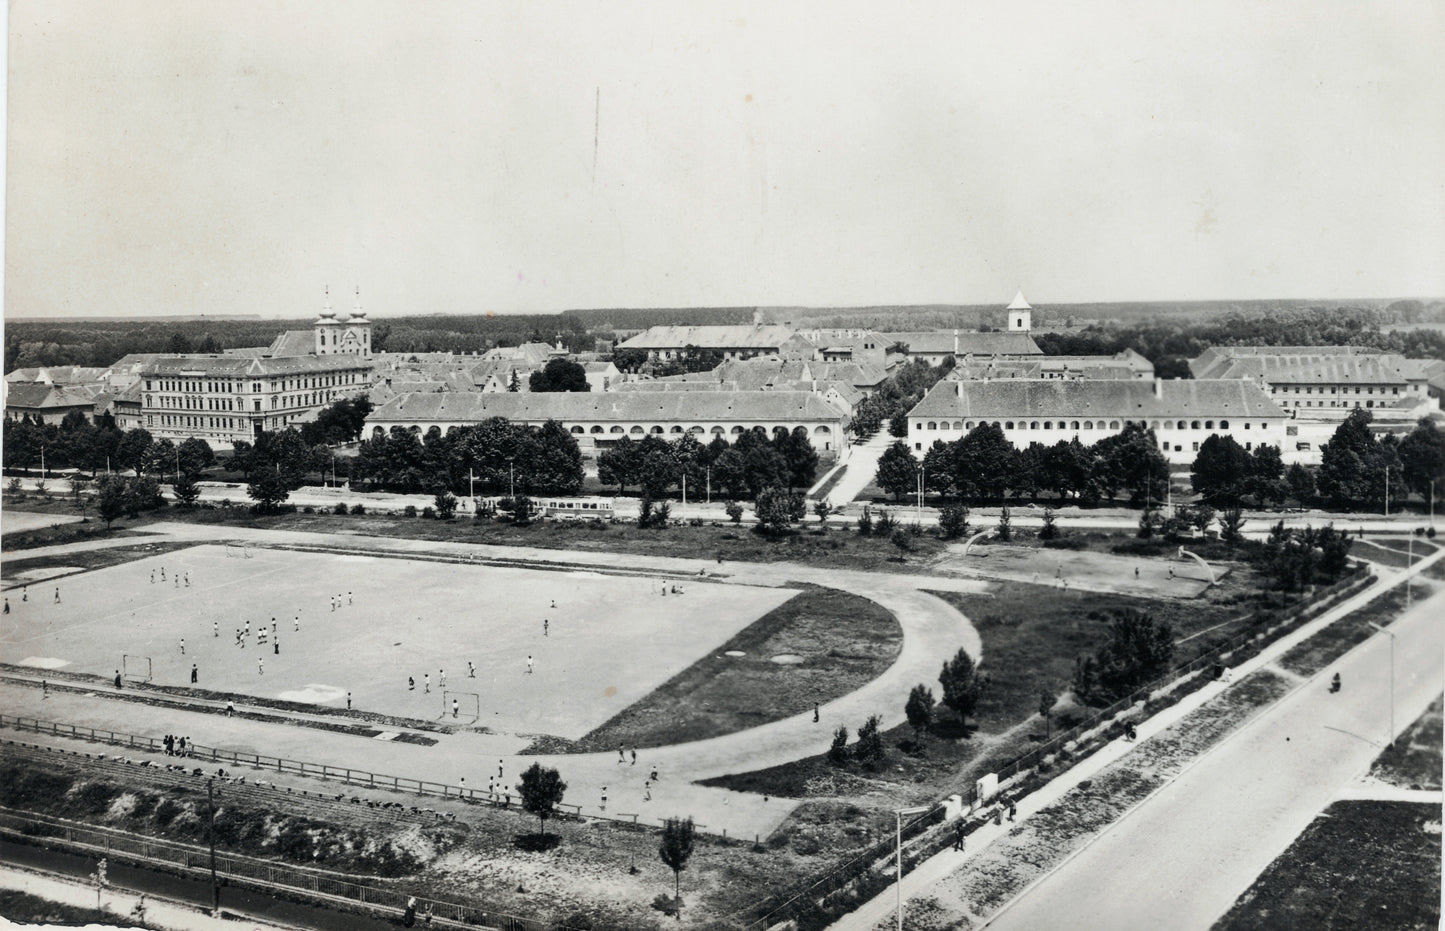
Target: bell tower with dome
1020,315
334,337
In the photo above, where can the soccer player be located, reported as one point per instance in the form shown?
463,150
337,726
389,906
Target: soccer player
260,666
183,646
471,670
426,681
454,707
193,674
529,665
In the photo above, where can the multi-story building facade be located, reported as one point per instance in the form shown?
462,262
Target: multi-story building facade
1182,413
229,397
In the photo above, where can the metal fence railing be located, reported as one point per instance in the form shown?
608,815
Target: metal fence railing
235,869
343,774
840,877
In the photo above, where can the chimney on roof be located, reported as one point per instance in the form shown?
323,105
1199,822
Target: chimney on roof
1158,387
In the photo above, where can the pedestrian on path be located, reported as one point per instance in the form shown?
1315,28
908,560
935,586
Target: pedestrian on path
7,605
959,837
44,689
230,708
1013,809
621,758
57,596
153,577
24,593
276,648
815,712
348,701
194,674
634,756
604,798
188,578
117,679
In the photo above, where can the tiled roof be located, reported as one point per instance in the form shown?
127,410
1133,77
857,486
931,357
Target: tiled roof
59,374
664,406
712,337
1124,399
232,367
935,342
1306,368
37,396
293,343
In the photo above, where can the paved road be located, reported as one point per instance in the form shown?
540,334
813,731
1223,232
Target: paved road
862,466
1183,857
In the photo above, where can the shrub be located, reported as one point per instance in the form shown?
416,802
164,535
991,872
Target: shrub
838,752
884,525
409,510
358,508
865,524
428,512
953,521
308,509
340,508
1066,543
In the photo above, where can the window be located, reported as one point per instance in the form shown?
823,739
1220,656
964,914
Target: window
918,446
1196,446
1302,447
1074,425
1194,425
1209,425
1113,425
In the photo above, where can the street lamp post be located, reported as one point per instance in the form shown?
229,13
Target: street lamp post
1391,635
512,482
921,481
899,884
211,834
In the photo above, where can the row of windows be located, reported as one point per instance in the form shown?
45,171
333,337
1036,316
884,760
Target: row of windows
195,423
1331,404
1078,425
1330,389
198,385
656,430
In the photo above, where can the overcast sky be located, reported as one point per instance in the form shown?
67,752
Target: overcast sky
236,157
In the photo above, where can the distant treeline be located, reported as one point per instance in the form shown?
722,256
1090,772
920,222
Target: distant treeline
1169,344
1164,333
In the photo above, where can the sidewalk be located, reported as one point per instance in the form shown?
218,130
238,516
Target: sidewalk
940,866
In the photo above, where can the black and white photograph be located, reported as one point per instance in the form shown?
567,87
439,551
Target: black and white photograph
793,466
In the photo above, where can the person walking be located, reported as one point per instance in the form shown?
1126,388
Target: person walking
44,689
634,756
348,701
57,596
183,646
7,605
426,683
215,628
117,679
546,623
195,673
621,757
959,837
297,624
471,670
454,707
230,708
529,664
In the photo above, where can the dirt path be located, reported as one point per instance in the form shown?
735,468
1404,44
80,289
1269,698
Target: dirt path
931,629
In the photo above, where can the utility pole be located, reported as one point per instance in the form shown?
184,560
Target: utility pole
512,481
471,483
1387,491
1391,635
211,835
709,494
898,885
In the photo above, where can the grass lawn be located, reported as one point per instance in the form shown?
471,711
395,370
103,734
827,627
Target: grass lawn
93,559
1393,553
1365,864
1031,635
846,642
1414,762
1336,640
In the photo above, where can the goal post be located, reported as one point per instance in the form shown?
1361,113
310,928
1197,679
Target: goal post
135,667
468,706
238,551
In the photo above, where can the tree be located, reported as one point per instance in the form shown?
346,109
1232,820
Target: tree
777,509
1422,459
897,470
1354,465
340,422
1047,700
195,456
187,491
1005,525
110,498
1266,476
1301,482
985,463
838,750
898,424
1138,650
1131,460
953,521
734,511
559,375
919,709
800,457
1050,528
870,743
823,509
541,791
962,683
618,465
1221,471
142,493
134,449
269,489
446,505
675,850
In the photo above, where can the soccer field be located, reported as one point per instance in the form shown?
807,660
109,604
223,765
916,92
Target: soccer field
610,640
